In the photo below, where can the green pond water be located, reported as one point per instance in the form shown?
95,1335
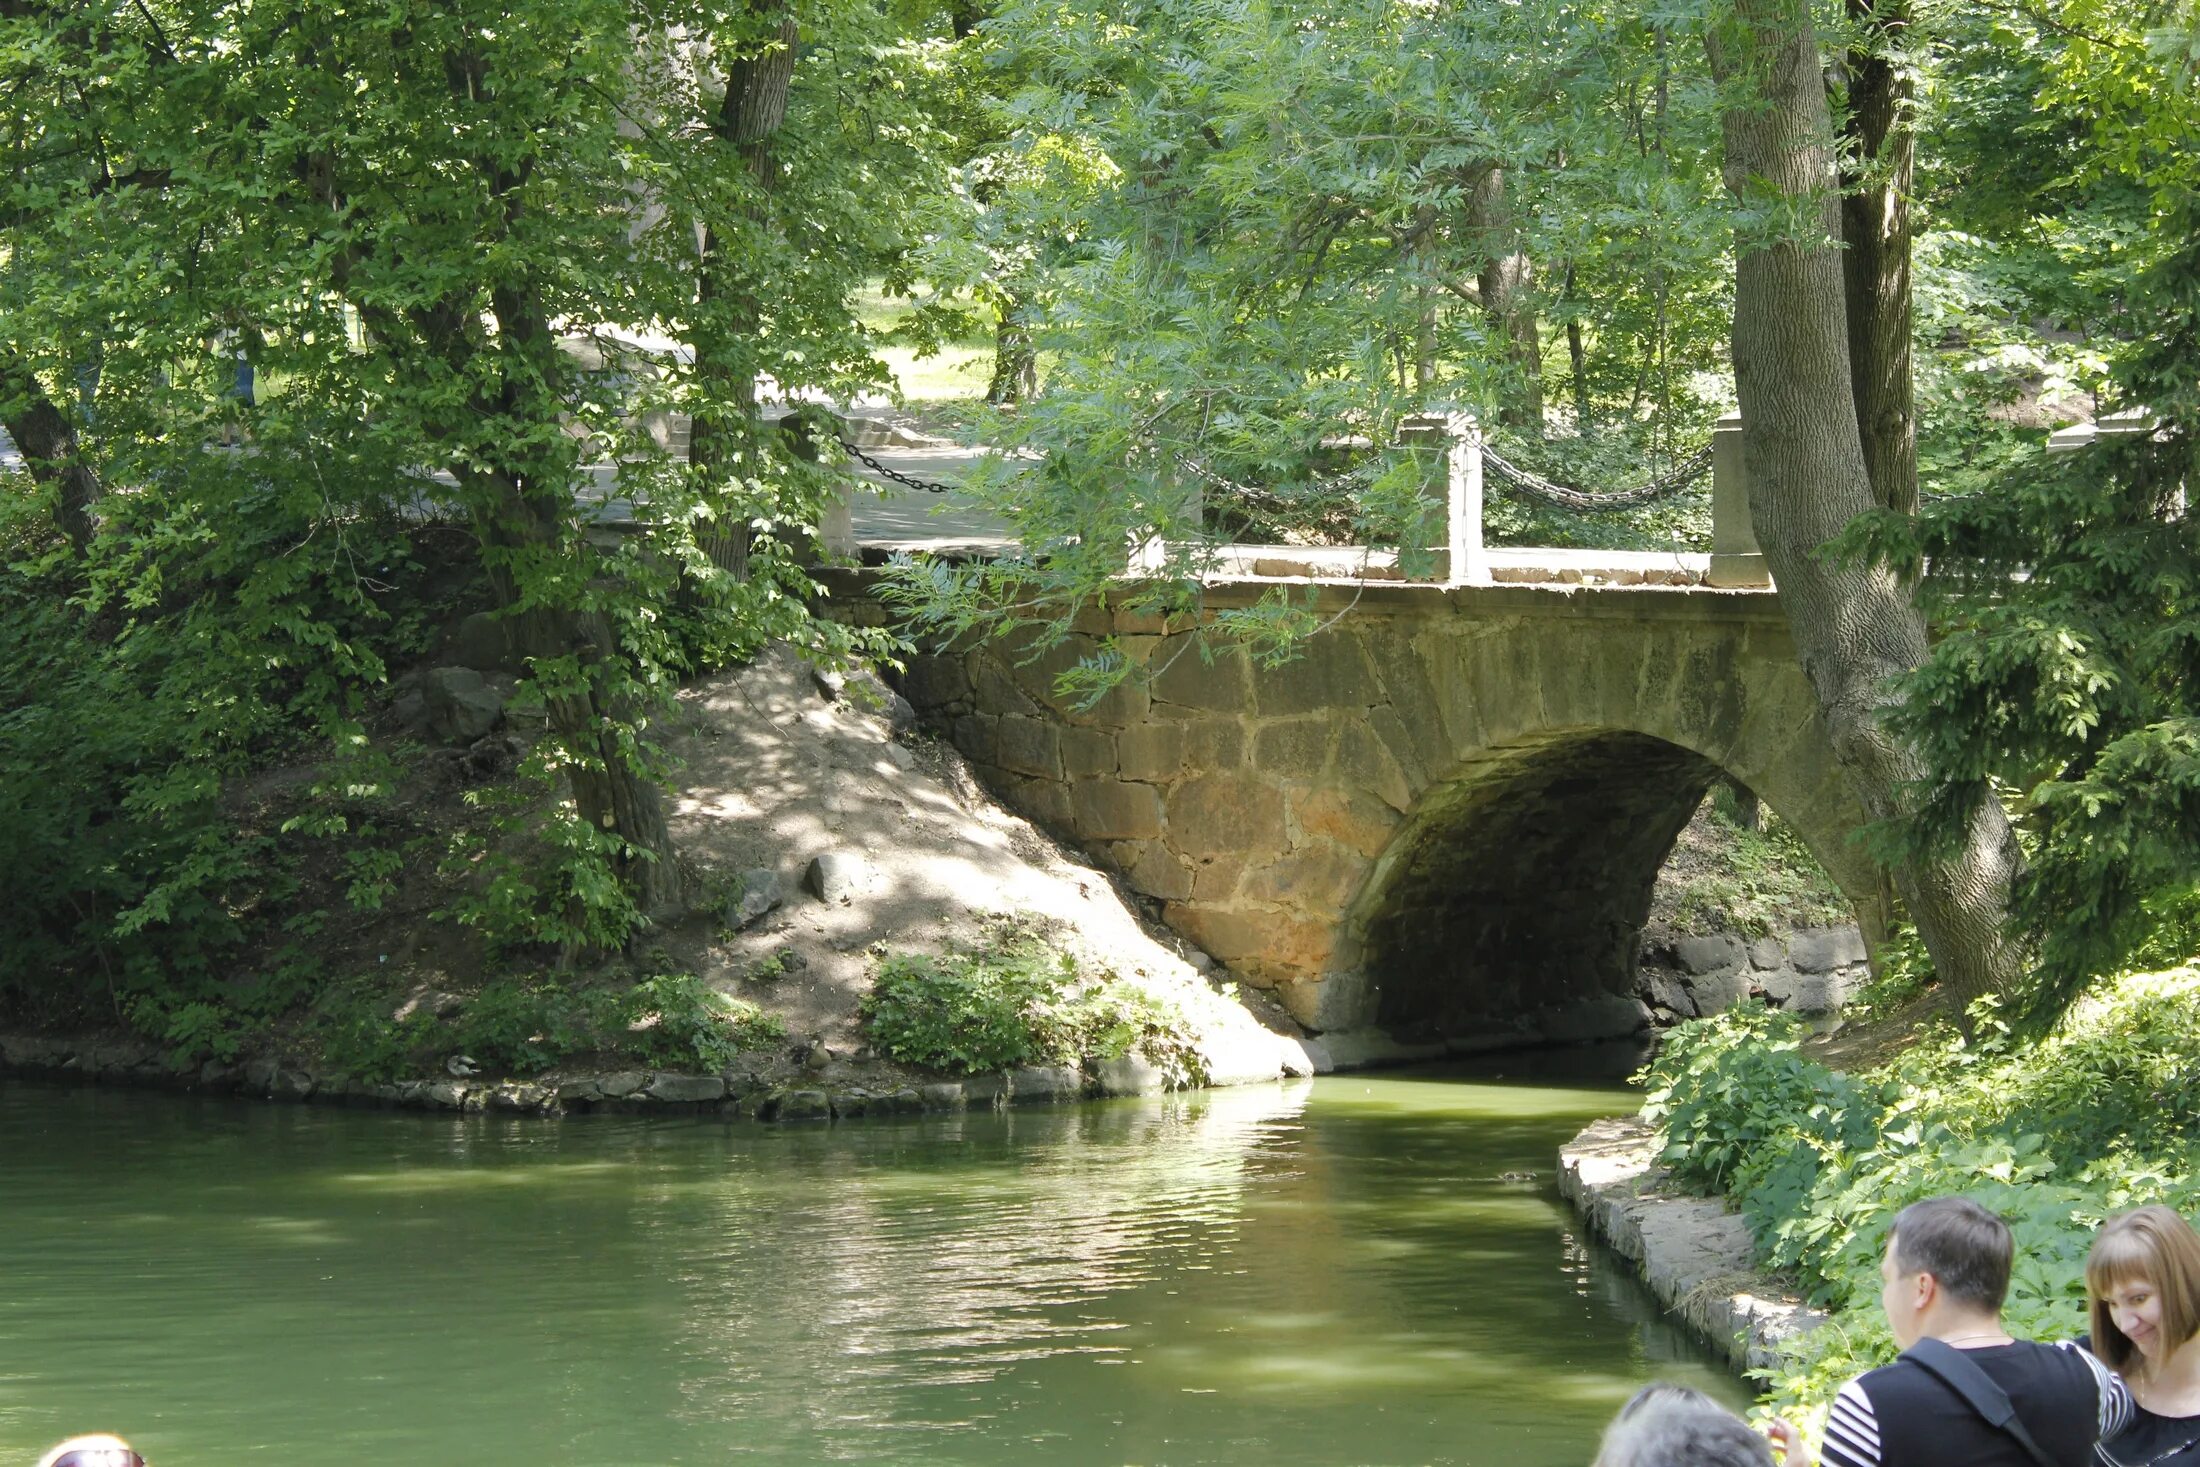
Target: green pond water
1325,1272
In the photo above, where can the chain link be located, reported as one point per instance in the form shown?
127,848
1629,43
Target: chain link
925,486
1508,473
1535,486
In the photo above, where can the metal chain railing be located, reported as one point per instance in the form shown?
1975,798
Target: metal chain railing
1505,471
1535,486
925,486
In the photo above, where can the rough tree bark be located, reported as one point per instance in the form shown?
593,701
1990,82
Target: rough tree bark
1577,361
1879,163
520,495
49,446
515,514
730,310
1507,277
1854,626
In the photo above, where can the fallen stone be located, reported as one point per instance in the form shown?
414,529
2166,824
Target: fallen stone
520,1097
1803,993
941,1095
461,705
686,1089
572,1090
761,891
1714,993
1130,1074
984,1089
1822,949
835,877
621,1083
1768,952
798,1105
482,642
1668,990
1716,953
1045,1084
444,1095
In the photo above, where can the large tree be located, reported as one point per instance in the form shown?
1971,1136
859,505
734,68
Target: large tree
1855,626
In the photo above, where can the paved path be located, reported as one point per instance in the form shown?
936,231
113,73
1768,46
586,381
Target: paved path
896,518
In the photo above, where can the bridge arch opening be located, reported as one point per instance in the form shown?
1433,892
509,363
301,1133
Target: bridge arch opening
1511,905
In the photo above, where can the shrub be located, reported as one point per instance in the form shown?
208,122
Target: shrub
1018,1001
2054,1134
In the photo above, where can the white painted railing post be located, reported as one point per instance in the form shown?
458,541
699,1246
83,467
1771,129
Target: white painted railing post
1735,559
1464,563
1469,566
1151,554
2085,435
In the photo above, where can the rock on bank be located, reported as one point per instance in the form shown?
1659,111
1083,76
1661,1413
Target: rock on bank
1695,1254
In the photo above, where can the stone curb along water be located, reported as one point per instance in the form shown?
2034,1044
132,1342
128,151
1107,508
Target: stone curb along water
1232,1059
1696,1255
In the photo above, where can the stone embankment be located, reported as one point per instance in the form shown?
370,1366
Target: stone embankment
1812,971
746,1091
1696,1256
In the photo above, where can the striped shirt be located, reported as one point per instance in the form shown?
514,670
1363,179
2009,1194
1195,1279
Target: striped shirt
1902,1416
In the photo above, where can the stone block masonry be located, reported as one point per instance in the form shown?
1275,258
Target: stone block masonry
1697,1257
1444,817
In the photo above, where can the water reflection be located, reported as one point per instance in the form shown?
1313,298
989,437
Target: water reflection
1325,1272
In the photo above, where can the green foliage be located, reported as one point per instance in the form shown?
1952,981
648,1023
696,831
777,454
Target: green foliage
419,227
2069,674
680,1022
1018,1001
525,1025
2053,1133
1733,878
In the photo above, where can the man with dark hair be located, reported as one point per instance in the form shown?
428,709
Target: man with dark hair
1963,1393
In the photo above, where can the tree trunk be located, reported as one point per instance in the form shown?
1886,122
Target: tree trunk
1507,277
1854,626
1577,360
730,311
1881,157
593,720
49,446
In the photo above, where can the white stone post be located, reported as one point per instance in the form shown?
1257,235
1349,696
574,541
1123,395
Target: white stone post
1464,563
2084,435
1735,559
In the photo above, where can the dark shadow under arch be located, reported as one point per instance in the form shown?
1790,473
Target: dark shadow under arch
1519,889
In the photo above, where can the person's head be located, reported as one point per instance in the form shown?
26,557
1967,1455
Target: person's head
1674,1426
1947,1261
2142,1280
92,1451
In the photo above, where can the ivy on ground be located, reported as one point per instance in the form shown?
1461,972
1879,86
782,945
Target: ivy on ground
2054,1133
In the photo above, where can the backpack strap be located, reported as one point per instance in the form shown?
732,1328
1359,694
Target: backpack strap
1961,1374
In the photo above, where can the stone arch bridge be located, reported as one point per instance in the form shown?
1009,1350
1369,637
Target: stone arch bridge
1445,817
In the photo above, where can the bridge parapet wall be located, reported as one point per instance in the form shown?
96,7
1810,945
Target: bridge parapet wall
1445,815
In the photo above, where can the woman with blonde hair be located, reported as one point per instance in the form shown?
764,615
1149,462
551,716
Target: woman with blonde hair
2142,1280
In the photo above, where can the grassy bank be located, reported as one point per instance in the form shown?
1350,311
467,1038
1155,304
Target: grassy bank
2054,1133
